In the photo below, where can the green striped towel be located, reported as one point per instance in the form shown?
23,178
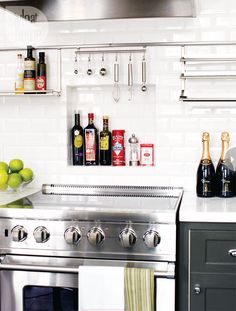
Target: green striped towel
139,289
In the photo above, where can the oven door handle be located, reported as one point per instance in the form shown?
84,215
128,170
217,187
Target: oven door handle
57,269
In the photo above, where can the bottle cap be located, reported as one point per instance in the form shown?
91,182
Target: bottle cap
91,116
133,139
225,136
205,136
41,55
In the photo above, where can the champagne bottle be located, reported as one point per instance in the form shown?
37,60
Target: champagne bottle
29,71
105,144
41,80
77,141
91,142
224,170
206,171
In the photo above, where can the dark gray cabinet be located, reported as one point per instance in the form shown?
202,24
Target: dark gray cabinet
206,267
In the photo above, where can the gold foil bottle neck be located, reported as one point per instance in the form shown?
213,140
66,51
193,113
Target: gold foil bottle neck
205,136
225,136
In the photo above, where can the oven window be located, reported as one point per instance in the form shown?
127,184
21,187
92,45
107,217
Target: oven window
39,298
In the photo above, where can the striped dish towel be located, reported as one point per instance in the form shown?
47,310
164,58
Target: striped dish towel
139,289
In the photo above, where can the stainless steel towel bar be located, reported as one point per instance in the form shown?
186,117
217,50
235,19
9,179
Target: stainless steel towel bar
159,274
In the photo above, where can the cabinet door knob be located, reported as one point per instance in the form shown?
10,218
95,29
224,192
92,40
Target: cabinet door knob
197,289
232,252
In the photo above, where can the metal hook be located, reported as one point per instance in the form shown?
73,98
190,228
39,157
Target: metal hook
89,71
76,65
130,57
144,55
103,70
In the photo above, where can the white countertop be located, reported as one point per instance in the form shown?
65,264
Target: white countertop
195,209
10,196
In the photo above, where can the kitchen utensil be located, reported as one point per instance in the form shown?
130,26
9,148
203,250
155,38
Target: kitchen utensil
103,70
89,70
130,78
116,87
144,74
76,65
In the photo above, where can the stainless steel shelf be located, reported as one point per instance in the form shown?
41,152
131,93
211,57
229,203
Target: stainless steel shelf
206,60
30,93
192,99
216,76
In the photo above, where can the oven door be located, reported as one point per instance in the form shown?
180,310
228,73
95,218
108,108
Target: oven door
33,283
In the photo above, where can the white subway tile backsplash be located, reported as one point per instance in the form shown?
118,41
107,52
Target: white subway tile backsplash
36,129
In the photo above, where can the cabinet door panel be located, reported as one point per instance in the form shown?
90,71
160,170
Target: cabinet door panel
212,292
209,250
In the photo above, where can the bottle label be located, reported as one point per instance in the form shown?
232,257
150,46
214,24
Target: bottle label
78,141
29,65
90,141
29,84
104,143
41,83
20,81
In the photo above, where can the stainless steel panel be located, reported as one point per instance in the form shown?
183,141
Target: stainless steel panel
61,10
110,249
13,281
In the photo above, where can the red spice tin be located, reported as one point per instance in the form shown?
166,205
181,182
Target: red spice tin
118,148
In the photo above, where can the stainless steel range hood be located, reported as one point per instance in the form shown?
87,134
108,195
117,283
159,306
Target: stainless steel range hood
65,10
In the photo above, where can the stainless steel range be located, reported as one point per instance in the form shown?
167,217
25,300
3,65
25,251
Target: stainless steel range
45,238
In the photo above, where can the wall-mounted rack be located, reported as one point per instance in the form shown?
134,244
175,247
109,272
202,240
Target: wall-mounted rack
138,47
48,92
109,51
200,75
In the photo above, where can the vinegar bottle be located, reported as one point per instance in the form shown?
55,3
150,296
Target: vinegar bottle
29,71
41,79
224,170
91,142
77,141
105,144
206,171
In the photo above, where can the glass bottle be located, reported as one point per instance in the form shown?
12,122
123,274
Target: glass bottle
29,71
206,171
19,83
105,143
224,170
41,80
77,141
91,142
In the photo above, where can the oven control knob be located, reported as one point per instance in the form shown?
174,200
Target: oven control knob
151,238
41,234
72,235
127,237
96,236
19,234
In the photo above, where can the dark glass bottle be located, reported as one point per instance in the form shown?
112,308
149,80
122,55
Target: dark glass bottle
91,148
105,144
224,171
29,71
41,80
77,141
206,171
